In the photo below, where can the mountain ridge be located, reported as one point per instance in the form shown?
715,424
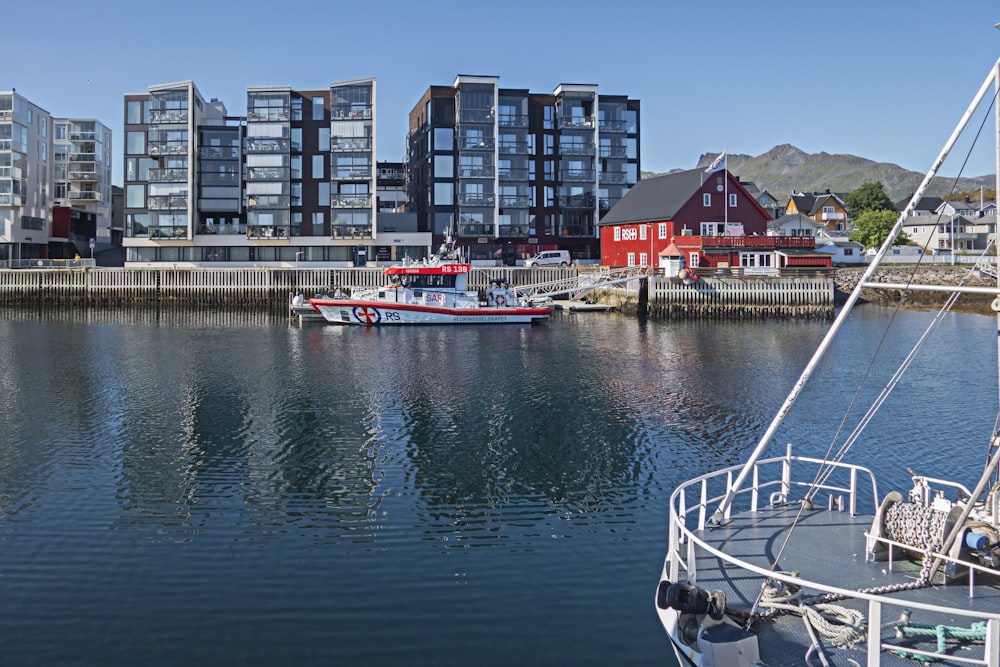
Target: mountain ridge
786,169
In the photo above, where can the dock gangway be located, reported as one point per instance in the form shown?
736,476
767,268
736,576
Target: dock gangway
578,286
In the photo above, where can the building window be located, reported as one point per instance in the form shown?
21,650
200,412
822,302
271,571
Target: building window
693,260
318,219
317,104
643,259
297,108
135,143
324,193
444,139
444,166
662,230
133,112
642,234
549,120
296,167
296,194
318,164
618,233
135,196
706,199
713,229
444,194
732,200
631,259
324,139
296,139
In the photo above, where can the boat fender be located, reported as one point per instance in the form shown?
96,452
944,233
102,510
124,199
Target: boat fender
501,300
298,300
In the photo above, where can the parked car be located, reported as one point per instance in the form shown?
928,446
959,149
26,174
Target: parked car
549,258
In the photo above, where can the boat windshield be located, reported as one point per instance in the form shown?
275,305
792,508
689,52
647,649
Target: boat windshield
429,281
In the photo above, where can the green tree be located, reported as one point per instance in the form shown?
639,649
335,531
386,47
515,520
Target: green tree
868,197
871,228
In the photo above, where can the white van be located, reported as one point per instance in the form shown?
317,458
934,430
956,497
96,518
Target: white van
549,258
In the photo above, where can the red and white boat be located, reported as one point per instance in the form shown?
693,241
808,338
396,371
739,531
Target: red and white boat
434,292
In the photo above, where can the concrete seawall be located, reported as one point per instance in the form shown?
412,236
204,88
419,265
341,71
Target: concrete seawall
847,279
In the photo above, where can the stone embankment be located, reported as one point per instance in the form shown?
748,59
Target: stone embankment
846,280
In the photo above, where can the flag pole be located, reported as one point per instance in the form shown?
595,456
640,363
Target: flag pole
725,176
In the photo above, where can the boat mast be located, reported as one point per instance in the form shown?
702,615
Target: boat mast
838,322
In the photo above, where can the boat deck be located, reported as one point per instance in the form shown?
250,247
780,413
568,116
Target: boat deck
828,547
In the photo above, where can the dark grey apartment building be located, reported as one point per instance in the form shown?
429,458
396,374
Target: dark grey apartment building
508,172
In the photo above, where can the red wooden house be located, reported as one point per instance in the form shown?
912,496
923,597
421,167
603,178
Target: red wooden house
710,218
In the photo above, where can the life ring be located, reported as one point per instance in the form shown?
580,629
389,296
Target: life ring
682,274
500,300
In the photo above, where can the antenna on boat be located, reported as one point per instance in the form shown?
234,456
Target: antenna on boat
722,512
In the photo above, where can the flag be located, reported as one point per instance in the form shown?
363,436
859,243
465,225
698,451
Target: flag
718,164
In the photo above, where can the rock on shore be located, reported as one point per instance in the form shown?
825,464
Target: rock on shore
931,274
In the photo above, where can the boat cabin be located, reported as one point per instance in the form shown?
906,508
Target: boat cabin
442,276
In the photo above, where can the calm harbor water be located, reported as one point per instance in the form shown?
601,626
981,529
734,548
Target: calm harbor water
203,488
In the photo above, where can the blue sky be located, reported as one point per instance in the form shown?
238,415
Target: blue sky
886,81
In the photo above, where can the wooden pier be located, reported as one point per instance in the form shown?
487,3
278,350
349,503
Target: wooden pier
729,297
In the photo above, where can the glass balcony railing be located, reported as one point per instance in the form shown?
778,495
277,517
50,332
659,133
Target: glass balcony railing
576,201
351,173
171,233
476,199
164,117
7,199
213,178
475,115
614,151
576,175
513,147
514,201
168,175
88,176
613,126
82,157
513,174
350,201
475,229
5,144
269,202
476,172
348,145
613,177
264,115
577,149
512,120
219,152
351,231
267,174
476,143
514,230
85,195
262,145
168,203
579,122
165,148
351,112
267,232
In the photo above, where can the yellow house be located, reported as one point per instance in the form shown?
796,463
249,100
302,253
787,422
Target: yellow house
825,208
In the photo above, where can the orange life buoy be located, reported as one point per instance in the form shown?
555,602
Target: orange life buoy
500,300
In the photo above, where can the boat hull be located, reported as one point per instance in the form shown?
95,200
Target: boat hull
376,313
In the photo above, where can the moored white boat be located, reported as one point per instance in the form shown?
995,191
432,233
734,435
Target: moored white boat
430,292
793,560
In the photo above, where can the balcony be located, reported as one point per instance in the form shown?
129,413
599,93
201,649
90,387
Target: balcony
267,174
350,201
219,152
476,199
478,229
167,117
5,145
832,215
476,143
267,233
576,149
170,233
168,175
613,177
352,174
576,122
217,179
349,145
269,202
577,201
351,231
265,115
168,203
85,195
83,136
476,172
86,176
514,201
614,151
514,147
513,174
77,158
351,112
613,126
262,145
514,230
165,148
475,116
758,242
7,199
512,120
586,175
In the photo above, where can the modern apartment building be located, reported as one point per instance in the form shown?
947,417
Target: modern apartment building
55,183
293,180
508,172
